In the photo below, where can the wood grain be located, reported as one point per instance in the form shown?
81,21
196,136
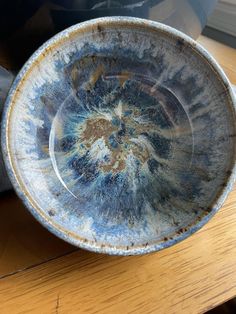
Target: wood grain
188,278
23,241
191,277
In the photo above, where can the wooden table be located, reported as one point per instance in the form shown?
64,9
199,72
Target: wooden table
42,274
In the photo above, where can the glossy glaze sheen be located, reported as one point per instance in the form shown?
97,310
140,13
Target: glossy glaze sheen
119,135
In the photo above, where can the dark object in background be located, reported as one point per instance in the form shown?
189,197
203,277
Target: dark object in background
93,9
220,36
226,308
26,24
6,79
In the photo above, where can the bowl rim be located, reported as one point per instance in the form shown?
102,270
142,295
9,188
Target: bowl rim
25,195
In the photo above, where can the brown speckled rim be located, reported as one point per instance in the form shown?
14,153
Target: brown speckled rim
21,189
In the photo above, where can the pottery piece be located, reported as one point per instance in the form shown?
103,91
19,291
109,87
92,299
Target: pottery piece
119,135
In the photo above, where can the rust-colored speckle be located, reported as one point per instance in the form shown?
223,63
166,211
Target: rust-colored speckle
123,77
45,149
96,128
95,76
116,164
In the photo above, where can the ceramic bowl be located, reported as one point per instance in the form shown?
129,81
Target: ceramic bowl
119,135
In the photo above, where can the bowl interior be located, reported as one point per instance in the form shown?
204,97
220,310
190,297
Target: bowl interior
120,135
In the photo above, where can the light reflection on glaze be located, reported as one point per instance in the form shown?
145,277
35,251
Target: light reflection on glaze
117,142
129,126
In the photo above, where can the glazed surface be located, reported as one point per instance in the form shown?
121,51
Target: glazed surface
123,137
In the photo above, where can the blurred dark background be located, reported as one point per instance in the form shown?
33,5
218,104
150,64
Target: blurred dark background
26,24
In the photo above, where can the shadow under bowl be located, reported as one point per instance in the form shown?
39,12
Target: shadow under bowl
119,135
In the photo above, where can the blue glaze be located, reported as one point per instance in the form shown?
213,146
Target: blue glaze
116,133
